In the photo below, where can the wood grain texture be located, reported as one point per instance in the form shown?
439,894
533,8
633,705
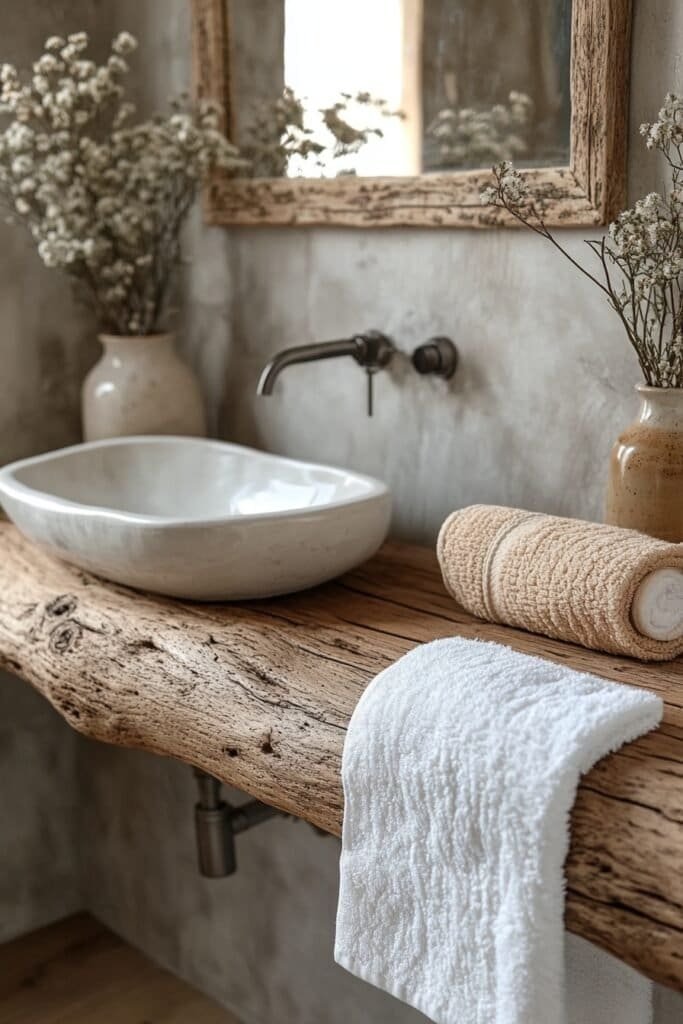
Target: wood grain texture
78,972
601,34
589,192
436,201
210,71
260,695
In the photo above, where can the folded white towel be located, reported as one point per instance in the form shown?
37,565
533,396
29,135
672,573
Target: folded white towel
460,769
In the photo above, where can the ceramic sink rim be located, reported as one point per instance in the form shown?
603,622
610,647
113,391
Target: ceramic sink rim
43,500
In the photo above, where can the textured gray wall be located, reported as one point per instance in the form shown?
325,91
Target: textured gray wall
46,341
543,389
39,877
260,942
46,345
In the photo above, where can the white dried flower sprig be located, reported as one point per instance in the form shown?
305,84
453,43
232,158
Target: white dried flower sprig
278,132
475,136
641,257
104,199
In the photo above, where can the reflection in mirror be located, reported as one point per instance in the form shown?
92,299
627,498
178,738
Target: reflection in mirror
323,88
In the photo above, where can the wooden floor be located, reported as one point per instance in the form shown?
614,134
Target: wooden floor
78,972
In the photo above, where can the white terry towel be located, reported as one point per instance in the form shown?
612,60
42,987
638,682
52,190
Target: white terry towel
460,769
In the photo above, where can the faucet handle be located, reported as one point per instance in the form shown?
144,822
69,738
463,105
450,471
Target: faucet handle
438,356
370,372
374,350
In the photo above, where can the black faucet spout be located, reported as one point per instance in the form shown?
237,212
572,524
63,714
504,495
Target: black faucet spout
371,350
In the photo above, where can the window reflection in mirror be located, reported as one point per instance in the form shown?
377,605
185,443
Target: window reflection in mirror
322,88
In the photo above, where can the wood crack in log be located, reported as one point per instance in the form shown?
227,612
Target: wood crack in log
635,803
619,905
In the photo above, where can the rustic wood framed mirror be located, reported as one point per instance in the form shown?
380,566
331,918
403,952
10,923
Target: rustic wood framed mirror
391,112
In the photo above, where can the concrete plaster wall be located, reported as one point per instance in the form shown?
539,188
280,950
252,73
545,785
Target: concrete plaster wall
46,344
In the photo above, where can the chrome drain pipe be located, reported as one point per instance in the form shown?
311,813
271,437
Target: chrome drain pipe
217,824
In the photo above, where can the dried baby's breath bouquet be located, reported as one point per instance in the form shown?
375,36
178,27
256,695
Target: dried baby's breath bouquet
104,199
471,136
641,258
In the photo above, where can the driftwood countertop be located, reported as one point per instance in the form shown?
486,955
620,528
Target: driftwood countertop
260,695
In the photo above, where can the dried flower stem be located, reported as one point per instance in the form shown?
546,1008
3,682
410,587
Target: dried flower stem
641,258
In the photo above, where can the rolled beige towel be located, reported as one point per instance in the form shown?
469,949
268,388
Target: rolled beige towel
599,586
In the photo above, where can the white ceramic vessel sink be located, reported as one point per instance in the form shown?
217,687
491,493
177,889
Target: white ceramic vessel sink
196,519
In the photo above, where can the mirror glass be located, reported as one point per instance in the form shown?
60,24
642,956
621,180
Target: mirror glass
322,88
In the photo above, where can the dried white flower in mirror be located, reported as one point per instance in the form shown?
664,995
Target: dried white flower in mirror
472,137
280,131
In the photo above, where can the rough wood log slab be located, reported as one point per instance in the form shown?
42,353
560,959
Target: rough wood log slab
260,695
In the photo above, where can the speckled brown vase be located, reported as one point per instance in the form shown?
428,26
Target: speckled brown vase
645,489
141,386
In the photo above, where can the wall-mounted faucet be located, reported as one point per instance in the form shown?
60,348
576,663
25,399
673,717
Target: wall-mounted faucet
371,350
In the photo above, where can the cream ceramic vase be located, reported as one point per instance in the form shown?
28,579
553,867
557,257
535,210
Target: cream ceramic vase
141,386
645,489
